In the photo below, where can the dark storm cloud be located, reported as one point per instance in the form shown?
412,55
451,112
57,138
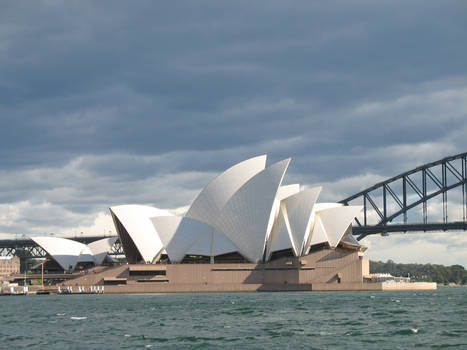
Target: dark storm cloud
86,78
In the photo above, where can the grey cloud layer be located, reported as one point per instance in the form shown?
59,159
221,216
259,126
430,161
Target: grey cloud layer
80,78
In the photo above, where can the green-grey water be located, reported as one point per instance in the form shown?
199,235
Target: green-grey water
328,320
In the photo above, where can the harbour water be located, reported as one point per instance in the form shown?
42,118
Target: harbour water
307,320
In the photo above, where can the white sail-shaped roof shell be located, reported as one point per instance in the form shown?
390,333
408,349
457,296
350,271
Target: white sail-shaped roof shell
166,226
281,237
99,249
295,220
67,252
337,220
245,217
331,222
64,251
287,191
298,209
318,235
136,220
209,203
278,233
212,244
208,242
189,231
86,255
323,206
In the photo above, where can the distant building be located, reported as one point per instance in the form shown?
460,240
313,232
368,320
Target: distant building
387,277
9,265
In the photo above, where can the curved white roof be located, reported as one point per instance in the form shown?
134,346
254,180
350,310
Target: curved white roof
212,244
299,212
206,243
337,220
280,238
86,255
136,220
189,231
320,237
318,234
166,226
323,206
245,217
66,252
287,191
99,249
209,203
273,224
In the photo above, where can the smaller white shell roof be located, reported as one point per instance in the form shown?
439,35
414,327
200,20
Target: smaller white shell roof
99,249
281,237
66,252
299,210
323,206
214,243
318,234
86,255
336,221
166,226
287,191
136,220
189,231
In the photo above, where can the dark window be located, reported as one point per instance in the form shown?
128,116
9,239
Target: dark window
148,273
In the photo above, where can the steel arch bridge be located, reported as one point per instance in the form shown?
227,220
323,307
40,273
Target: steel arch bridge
386,205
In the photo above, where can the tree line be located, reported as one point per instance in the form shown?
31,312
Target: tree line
422,272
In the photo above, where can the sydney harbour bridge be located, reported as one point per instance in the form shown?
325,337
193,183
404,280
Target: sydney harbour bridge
414,201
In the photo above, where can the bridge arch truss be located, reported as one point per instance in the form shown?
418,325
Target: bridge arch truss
387,204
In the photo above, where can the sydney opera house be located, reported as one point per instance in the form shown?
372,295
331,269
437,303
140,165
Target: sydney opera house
243,215
245,231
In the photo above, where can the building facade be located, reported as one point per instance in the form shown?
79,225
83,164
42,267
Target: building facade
9,265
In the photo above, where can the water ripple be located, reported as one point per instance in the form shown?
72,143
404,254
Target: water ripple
353,320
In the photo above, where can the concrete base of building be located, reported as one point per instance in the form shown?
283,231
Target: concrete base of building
322,270
235,288
377,286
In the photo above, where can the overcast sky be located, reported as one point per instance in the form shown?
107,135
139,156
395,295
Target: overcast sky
113,102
